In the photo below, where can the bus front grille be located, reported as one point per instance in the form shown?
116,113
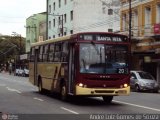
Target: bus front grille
104,91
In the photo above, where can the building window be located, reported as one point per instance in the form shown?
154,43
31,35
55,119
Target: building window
147,16
49,9
158,14
110,30
53,36
65,18
59,20
54,22
110,11
124,22
135,20
71,13
49,25
59,3
54,6
71,31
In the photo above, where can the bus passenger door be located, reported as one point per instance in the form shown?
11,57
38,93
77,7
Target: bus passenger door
35,67
71,70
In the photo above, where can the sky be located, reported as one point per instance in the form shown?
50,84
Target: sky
13,14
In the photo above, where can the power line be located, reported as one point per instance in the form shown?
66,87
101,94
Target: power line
105,22
99,24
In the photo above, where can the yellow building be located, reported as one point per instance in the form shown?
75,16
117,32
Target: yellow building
145,27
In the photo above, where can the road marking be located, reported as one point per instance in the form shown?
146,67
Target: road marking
69,110
137,105
13,90
38,99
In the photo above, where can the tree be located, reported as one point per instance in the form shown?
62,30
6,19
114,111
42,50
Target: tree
10,46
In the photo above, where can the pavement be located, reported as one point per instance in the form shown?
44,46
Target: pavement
7,73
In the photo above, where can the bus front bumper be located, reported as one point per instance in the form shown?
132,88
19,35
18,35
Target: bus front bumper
102,91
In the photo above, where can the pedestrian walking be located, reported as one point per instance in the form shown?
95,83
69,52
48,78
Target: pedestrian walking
10,68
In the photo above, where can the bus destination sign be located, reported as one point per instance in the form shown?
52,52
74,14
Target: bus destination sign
103,37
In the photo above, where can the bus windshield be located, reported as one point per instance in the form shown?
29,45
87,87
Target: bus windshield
103,59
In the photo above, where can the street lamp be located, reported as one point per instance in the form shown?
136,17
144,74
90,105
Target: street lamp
62,29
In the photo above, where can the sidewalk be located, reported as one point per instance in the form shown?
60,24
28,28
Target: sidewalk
12,74
6,72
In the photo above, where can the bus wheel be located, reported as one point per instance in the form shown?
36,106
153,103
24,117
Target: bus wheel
63,93
40,89
107,99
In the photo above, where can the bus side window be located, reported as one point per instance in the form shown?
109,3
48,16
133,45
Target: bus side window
57,54
45,53
40,54
64,52
32,54
51,53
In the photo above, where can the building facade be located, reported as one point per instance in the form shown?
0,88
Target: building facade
145,27
35,29
72,16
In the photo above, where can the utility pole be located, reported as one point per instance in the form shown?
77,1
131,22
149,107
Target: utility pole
20,45
20,48
130,19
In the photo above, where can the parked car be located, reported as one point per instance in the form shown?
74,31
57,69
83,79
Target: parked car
142,81
25,72
22,72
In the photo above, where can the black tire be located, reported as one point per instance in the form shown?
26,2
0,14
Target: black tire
137,88
107,99
63,93
40,88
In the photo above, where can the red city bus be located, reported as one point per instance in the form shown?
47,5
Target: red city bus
83,64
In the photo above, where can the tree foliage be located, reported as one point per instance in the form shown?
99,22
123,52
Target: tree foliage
10,46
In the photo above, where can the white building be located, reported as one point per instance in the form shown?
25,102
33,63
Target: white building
82,16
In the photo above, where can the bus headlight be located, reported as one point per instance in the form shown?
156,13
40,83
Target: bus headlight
125,85
80,85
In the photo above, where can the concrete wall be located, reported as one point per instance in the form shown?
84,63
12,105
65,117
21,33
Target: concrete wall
92,15
88,15
33,24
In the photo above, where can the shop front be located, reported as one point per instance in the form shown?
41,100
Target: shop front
146,55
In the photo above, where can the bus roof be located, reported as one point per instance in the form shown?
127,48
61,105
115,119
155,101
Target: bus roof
65,38
51,40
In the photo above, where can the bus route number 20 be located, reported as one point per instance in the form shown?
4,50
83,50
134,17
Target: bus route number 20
121,71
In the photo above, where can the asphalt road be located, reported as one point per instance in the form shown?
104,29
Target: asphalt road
18,96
